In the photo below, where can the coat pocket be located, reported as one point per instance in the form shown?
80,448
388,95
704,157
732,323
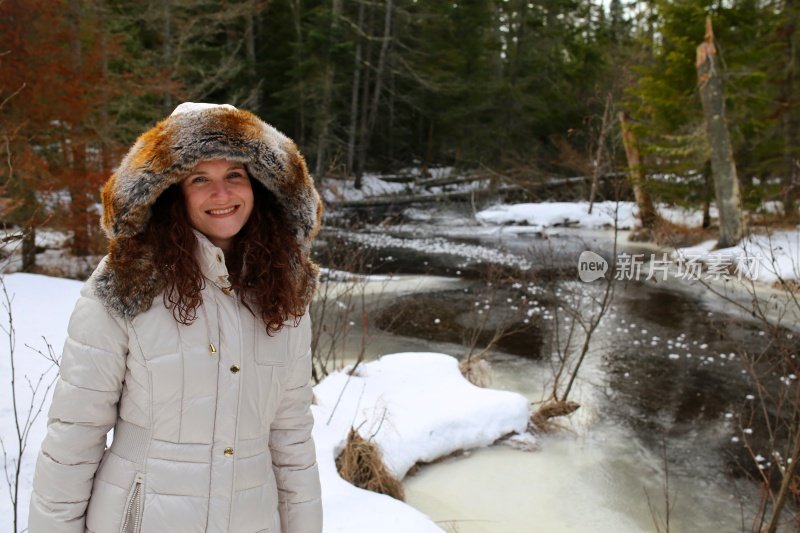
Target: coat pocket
273,351
132,522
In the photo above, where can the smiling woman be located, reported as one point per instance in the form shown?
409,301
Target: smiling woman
219,199
192,340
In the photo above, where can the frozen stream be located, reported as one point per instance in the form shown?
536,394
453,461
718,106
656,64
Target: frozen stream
663,377
591,477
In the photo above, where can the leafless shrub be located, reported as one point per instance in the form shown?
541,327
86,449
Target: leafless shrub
24,415
775,403
661,521
577,313
477,370
340,306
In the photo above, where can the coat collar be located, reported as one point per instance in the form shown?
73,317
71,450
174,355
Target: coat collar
211,261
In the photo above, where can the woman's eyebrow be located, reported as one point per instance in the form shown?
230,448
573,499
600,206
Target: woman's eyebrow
203,172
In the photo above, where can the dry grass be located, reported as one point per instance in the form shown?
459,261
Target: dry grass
774,221
477,370
361,463
680,236
675,235
789,285
542,418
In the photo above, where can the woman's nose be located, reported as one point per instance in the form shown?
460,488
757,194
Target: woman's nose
220,189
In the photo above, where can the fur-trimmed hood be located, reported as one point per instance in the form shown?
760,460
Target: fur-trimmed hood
128,281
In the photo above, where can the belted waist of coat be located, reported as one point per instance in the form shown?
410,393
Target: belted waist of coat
130,441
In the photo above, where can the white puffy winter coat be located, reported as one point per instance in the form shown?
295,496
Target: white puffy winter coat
212,424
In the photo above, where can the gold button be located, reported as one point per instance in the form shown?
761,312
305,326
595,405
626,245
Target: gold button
219,258
227,290
228,452
235,368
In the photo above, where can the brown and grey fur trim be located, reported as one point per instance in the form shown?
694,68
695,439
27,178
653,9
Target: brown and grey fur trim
164,156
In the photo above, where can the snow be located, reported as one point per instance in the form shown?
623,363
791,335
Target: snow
772,256
192,107
418,407
576,214
371,185
414,406
686,216
547,214
777,253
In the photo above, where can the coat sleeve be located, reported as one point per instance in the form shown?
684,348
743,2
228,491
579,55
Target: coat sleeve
294,459
83,410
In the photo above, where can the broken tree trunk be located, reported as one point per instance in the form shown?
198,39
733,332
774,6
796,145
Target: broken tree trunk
723,167
598,163
647,212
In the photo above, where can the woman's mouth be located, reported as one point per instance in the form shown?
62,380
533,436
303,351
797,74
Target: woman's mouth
222,212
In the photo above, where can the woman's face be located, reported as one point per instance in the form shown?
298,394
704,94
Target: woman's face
219,200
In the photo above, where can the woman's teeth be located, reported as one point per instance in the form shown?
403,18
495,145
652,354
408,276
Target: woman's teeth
221,211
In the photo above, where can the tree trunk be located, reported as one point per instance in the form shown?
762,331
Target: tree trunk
166,51
363,138
105,133
254,97
790,122
298,58
428,151
372,110
29,249
392,92
598,163
376,93
647,212
325,111
723,168
351,138
79,199
708,193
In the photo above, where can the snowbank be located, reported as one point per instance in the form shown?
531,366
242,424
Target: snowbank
371,185
765,257
575,214
416,406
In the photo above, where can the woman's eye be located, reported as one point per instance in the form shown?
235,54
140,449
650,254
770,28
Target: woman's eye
234,175
197,179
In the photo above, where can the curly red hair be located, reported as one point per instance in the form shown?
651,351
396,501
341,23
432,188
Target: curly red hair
265,262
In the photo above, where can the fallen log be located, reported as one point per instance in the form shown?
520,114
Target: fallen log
405,199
